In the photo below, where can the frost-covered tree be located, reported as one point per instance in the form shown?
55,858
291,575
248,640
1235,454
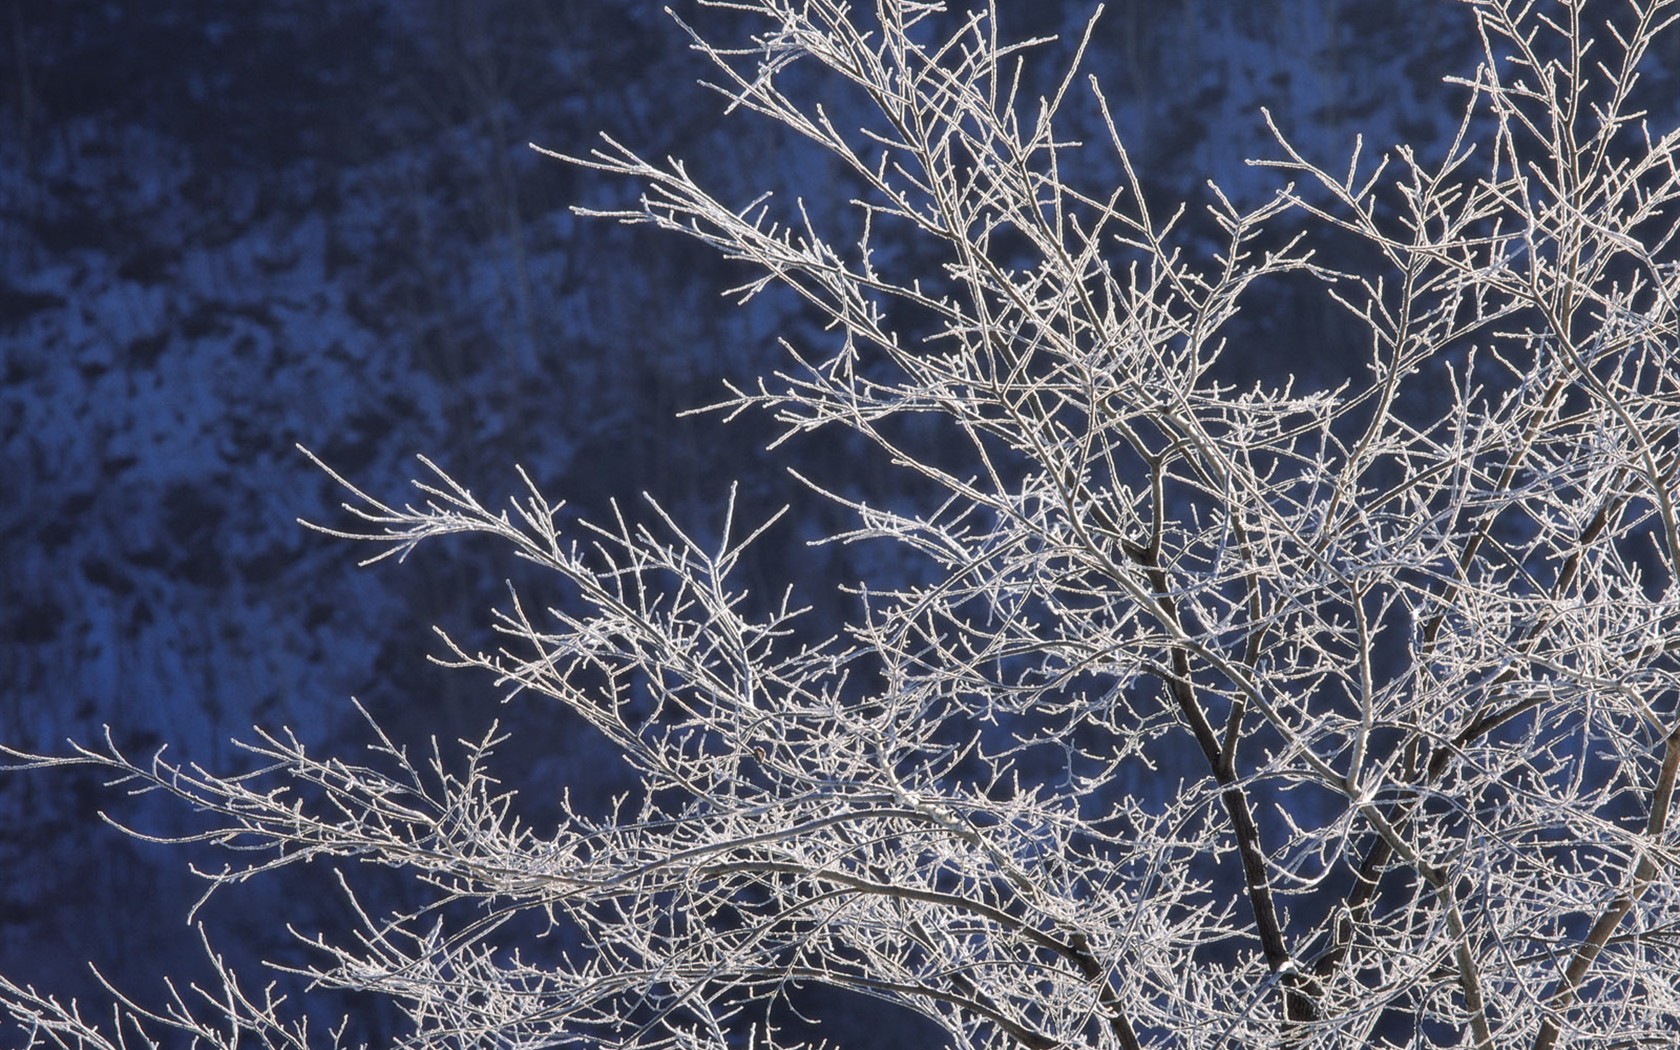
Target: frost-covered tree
1195,714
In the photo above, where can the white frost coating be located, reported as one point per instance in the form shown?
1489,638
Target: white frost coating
1438,602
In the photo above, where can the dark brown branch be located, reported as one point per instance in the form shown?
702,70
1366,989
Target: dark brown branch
1221,761
1645,870
1402,810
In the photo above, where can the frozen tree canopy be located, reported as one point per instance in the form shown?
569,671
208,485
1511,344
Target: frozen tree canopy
1198,704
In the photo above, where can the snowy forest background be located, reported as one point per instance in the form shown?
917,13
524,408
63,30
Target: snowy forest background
227,229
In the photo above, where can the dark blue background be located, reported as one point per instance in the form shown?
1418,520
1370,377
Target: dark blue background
229,228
